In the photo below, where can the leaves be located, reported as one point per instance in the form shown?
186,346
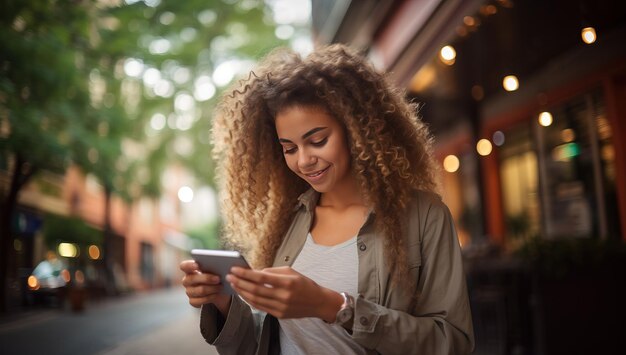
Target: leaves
122,89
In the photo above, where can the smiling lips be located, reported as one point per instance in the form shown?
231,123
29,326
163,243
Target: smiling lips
317,173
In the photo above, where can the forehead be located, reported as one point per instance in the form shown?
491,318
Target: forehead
297,120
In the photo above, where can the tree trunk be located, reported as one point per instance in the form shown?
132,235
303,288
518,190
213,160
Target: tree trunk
6,249
20,175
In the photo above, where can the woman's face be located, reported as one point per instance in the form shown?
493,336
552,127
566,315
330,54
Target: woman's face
315,147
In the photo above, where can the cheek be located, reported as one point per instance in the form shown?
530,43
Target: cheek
342,155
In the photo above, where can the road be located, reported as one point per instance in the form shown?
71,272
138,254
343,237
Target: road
159,322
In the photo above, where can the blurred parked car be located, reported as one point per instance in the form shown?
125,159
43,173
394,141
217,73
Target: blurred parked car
47,282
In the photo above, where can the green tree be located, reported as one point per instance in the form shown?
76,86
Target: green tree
42,101
170,54
121,89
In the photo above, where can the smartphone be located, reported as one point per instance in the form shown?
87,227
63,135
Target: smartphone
219,262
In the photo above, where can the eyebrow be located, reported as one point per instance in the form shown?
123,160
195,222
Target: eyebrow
304,136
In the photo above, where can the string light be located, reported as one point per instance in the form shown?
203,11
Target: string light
447,54
588,34
545,119
510,83
451,163
484,147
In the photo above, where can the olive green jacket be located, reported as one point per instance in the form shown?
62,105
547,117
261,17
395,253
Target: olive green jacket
433,318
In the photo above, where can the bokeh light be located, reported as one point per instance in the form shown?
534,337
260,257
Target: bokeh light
447,54
185,194
545,119
67,250
498,138
510,83
484,147
94,252
451,163
588,35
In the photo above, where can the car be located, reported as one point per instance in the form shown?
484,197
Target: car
47,284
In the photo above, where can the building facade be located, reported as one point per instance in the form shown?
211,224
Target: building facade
527,104
146,244
554,164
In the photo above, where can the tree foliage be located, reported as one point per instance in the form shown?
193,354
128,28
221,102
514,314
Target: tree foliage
121,89
68,93
159,63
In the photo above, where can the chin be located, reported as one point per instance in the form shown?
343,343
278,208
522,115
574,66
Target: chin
320,188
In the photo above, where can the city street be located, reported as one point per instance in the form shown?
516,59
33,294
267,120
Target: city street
159,322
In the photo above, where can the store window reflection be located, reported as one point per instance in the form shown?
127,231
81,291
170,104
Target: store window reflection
558,178
579,184
519,181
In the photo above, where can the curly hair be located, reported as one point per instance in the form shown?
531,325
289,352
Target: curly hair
390,147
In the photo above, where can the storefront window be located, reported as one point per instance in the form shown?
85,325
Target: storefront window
519,181
558,178
579,170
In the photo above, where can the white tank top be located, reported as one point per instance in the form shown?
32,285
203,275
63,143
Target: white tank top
335,267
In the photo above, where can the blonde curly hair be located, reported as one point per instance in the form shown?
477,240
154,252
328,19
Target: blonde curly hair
390,147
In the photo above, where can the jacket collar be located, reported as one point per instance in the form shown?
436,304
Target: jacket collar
308,199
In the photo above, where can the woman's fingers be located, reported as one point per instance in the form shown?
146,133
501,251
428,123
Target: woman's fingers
260,301
262,277
203,291
199,301
262,290
189,266
200,279
281,270
203,288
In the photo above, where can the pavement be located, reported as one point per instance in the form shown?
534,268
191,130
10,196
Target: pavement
158,322
174,338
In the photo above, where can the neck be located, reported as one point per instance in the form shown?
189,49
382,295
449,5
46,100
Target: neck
342,196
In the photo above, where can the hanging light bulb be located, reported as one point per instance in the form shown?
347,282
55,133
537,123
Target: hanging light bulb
588,34
545,118
447,55
510,83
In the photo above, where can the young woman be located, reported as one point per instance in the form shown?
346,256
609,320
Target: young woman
329,186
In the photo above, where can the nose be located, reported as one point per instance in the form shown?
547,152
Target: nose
306,159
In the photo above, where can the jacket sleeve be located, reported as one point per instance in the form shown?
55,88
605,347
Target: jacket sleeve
234,335
441,322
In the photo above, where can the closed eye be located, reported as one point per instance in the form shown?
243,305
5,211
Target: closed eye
289,150
320,143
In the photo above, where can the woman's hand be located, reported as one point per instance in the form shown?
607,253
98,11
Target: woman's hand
285,293
203,288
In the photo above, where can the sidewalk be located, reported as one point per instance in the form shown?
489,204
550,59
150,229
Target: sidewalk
24,319
158,322
179,337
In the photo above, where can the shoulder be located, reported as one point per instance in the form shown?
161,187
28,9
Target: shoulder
426,210
427,201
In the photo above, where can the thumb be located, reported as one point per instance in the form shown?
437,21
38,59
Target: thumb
189,266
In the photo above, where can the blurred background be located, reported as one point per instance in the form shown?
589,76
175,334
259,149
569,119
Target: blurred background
107,180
